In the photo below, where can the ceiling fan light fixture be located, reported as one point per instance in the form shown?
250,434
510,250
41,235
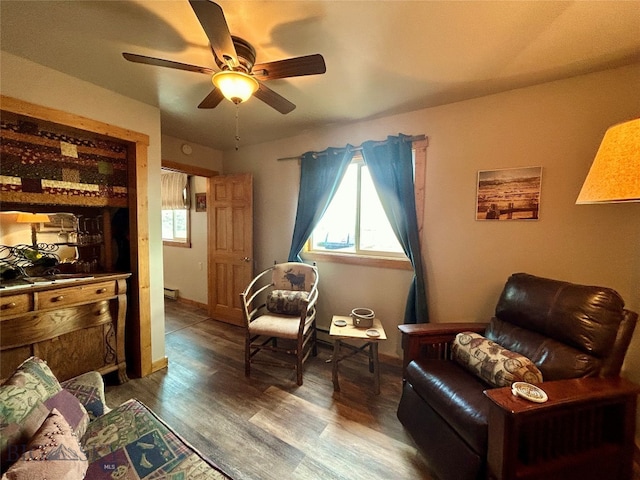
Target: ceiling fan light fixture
235,86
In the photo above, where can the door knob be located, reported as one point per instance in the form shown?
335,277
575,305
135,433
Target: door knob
246,259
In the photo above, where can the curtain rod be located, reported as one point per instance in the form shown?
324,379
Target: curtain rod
414,138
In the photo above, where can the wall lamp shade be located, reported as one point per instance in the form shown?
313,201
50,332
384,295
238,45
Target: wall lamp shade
33,219
614,176
235,86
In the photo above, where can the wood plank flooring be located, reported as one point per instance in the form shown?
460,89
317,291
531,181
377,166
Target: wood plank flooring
265,426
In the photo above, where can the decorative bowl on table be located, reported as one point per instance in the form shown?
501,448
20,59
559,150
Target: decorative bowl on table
362,317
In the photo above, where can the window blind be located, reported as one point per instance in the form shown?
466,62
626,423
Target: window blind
174,191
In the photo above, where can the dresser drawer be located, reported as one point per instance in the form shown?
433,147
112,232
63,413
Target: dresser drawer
12,304
77,294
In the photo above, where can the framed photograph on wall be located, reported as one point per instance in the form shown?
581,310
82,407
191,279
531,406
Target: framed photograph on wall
509,194
201,202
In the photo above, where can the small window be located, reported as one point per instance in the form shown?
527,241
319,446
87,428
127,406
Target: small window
175,225
175,209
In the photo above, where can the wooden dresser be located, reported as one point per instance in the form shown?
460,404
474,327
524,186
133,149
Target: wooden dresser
75,325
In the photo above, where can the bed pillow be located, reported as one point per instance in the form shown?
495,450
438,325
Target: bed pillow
287,302
491,362
53,452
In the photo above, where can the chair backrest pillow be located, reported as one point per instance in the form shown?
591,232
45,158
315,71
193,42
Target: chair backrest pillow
287,302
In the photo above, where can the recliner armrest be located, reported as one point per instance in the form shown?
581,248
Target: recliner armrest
431,340
586,422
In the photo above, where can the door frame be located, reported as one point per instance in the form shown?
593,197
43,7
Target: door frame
198,172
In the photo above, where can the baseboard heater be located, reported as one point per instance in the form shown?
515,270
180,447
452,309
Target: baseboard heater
171,293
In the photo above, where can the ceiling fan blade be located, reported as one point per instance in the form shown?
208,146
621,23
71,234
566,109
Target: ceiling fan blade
212,100
292,67
211,17
273,99
159,62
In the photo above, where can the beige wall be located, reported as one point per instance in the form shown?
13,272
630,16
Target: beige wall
556,125
178,260
25,80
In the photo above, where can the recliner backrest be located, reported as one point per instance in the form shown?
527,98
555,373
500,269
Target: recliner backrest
567,330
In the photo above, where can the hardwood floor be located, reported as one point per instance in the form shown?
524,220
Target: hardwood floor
265,426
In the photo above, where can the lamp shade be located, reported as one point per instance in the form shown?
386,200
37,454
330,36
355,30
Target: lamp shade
235,86
32,218
614,176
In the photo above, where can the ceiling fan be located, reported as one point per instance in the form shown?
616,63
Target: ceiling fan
238,77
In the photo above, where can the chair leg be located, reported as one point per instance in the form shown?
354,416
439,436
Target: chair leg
299,368
314,340
247,356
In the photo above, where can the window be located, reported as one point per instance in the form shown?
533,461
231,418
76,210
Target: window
355,228
355,221
175,225
175,209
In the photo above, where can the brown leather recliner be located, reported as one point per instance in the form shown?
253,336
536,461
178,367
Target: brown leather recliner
577,336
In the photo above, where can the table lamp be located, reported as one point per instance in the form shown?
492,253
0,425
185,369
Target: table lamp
614,176
33,219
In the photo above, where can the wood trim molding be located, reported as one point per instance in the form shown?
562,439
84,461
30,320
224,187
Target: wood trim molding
15,105
188,169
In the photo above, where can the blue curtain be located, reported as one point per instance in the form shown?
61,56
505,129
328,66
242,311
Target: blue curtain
391,168
320,176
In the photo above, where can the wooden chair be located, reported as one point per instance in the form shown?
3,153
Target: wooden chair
280,316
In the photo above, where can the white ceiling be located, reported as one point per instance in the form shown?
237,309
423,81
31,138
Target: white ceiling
382,57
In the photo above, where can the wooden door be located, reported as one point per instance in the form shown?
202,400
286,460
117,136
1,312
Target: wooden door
230,252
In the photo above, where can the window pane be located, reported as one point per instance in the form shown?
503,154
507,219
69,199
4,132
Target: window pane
336,230
167,224
180,224
376,233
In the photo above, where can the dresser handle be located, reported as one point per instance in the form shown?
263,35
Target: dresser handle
101,290
7,306
59,298
102,311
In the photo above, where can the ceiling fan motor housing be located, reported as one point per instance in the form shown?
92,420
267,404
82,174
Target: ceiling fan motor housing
245,52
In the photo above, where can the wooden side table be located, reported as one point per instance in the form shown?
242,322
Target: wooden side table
370,347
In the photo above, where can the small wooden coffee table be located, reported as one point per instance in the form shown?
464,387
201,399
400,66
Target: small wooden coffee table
370,346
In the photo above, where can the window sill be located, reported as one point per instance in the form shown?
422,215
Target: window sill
361,260
166,243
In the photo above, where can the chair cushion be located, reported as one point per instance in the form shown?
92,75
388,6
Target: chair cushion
455,395
492,362
287,302
281,326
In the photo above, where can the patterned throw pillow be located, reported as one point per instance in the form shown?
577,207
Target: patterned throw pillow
71,409
286,302
89,389
492,362
22,409
53,452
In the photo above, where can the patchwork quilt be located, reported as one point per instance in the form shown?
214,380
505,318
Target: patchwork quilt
132,443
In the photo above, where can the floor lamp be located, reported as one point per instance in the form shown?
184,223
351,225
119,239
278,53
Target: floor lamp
614,176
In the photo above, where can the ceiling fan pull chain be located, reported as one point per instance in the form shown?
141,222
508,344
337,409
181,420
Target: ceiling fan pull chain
237,127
